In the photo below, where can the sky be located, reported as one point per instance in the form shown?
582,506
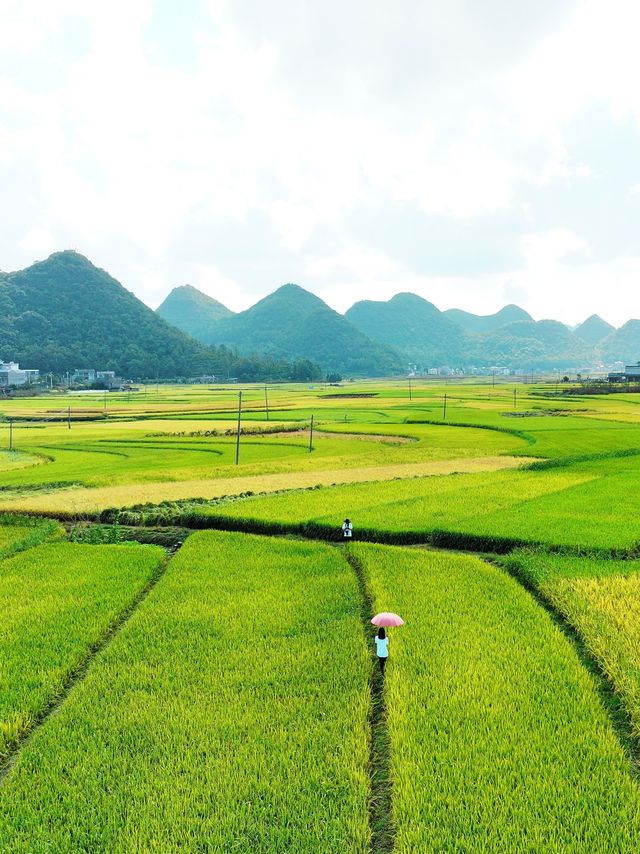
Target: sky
475,152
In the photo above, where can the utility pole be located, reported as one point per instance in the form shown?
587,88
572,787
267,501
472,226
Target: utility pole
515,397
266,401
11,434
493,379
311,436
105,402
69,417
238,436
444,411
410,398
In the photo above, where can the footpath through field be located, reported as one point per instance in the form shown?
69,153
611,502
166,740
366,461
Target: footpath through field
68,502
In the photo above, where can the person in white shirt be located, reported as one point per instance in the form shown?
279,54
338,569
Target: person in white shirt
382,647
347,529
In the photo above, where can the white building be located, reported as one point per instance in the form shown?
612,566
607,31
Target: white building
10,374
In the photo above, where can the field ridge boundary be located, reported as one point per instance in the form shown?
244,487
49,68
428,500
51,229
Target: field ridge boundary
612,703
78,674
379,765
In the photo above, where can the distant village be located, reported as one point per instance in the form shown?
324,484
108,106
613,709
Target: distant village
12,376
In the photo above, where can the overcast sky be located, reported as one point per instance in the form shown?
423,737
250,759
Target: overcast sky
476,152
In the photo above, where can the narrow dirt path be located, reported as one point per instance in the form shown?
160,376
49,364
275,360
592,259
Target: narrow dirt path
380,814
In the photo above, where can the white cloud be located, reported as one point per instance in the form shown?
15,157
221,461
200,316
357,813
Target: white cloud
304,121
39,241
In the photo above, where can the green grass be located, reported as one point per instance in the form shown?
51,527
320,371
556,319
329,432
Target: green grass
57,601
499,740
229,714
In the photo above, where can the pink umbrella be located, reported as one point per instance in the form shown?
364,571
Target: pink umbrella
387,619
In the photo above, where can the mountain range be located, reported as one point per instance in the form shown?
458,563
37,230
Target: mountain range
65,313
292,323
378,337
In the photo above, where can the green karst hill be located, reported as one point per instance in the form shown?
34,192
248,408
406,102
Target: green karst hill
413,325
594,330
489,322
64,313
292,323
192,312
623,344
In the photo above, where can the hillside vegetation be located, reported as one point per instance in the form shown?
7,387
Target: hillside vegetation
382,338
192,312
64,313
292,323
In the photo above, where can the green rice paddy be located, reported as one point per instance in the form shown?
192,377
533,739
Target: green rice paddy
219,694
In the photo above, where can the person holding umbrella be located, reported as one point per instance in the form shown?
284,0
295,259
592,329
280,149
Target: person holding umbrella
381,640
382,647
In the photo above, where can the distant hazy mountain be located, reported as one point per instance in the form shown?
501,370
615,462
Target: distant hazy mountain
545,344
292,323
413,326
192,312
594,329
623,344
480,324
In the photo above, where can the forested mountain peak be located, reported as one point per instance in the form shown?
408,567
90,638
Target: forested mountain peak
64,313
481,323
293,323
192,312
594,329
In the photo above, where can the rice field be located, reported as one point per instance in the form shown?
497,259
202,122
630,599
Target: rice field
229,714
18,533
78,501
57,601
499,740
601,600
223,698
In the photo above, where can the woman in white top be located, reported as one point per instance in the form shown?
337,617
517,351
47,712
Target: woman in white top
347,529
382,647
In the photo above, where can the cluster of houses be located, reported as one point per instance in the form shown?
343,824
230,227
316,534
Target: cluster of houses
91,377
11,374
630,374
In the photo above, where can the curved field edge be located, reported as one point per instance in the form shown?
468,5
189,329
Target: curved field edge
217,717
556,510
600,601
499,739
